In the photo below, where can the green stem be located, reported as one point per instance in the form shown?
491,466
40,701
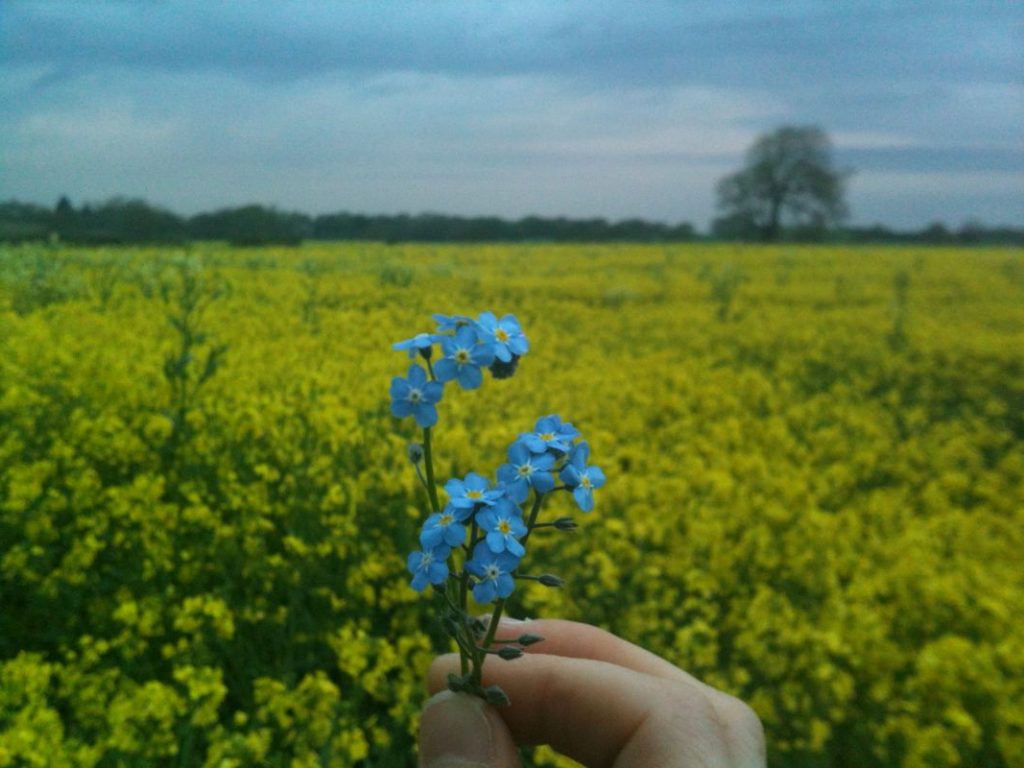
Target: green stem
423,480
534,511
464,599
428,460
492,629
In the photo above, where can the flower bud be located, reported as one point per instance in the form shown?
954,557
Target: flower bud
510,652
500,370
550,580
456,683
495,696
525,640
414,452
565,524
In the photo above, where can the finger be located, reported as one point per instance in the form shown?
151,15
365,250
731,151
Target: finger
602,714
584,641
457,729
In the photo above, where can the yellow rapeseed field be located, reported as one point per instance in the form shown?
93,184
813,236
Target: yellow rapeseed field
815,493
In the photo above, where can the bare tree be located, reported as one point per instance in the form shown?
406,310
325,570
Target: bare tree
787,180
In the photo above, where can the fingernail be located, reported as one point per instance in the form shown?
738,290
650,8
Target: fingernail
455,733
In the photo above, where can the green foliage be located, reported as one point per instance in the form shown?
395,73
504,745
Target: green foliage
725,282
34,278
395,275
897,337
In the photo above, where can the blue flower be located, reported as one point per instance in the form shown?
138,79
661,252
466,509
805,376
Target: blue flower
525,471
428,567
505,334
443,527
466,495
415,396
422,343
550,434
504,526
464,354
581,478
451,322
493,572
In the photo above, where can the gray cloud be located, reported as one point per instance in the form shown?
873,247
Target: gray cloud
935,159
600,108
668,42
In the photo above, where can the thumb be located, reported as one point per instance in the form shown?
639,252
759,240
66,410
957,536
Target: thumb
461,731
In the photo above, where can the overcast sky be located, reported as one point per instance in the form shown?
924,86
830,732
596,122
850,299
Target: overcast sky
614,109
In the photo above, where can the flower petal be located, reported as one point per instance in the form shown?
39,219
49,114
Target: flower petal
446,369
425,414
495,542
485,591
470,377
584,498
542,481
433,391
401,408
399,388
505,586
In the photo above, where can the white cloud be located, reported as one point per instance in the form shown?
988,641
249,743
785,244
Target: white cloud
912,199
942,184
872,140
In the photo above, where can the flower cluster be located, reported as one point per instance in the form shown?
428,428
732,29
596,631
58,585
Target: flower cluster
467,347
487,518
476,542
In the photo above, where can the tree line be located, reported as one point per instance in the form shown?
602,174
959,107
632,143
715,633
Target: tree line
123,220
787,190
128,221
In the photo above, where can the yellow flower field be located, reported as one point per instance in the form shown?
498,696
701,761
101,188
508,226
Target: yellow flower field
815,497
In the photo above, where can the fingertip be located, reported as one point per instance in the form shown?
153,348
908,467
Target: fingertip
458,730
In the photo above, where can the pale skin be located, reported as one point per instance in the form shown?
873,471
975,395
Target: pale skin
594,697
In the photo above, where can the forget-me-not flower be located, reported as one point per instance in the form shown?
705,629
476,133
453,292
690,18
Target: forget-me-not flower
550,433
443,527
415,396
581,478
421,343
493,572
505,334
526,470
464,355
428,567
451,322
504,526
466,495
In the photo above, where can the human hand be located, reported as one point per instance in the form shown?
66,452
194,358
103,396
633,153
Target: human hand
592,696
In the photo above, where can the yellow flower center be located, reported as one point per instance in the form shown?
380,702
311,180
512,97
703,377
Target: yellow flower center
500,335
447,519
585,481
504,527
462,356
546,436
